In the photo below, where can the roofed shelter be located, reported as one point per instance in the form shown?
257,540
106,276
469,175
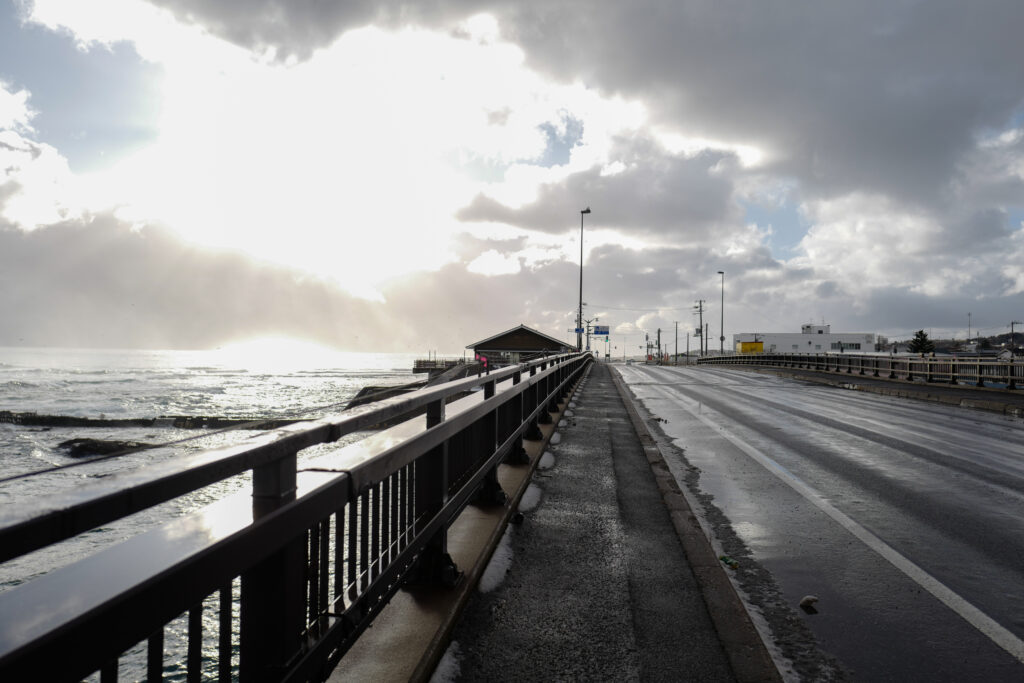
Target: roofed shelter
516,345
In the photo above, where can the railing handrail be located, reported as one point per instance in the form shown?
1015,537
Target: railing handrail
103,604
951,369
44,522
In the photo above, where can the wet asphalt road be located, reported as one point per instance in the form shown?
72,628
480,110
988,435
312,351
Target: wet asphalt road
906,519
597,587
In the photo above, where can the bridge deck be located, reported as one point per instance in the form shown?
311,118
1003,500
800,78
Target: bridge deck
607,577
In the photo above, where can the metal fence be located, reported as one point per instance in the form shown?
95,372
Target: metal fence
279,584
948,369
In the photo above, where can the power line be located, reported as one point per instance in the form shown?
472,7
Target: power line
648,310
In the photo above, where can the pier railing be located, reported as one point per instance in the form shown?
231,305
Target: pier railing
278,584
948,369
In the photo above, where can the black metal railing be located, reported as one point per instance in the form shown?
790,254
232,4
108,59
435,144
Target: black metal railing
278,584
948,369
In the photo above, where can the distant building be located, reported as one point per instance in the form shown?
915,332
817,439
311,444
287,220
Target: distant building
515,345
810,339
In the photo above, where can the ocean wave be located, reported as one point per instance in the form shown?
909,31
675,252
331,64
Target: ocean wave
19,384
323,373
211,370
122,380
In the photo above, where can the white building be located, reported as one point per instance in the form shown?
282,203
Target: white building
811,339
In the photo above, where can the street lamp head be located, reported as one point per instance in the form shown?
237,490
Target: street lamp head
721,272
586,210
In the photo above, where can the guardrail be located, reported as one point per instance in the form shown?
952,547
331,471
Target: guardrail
276,586
951,370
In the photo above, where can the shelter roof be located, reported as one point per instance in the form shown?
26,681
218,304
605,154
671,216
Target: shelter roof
513,340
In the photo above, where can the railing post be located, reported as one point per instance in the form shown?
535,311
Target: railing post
952,370
435,565
1011,381
490,492
554,391
273,607
518,455
544,389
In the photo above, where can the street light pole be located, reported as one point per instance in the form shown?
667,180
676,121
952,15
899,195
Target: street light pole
721,327
700,326
579,311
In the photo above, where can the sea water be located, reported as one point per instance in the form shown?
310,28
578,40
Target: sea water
113,384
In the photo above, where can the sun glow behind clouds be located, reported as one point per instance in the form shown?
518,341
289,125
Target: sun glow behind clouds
349,165
279,353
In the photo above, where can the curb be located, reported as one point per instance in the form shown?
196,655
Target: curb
415,627
535,449
747,653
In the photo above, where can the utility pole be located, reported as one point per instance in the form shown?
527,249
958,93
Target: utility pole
592,320
721,328
675,357
700,325
968,327
659,345
687,348
1013,346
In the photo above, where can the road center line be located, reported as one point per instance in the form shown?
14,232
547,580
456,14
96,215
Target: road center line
971,614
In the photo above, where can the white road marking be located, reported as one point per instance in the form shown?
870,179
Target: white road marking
971,614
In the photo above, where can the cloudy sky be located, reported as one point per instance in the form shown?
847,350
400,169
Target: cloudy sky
409,176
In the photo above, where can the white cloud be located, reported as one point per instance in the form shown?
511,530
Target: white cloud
154,32
35,184
350,159
14,110
492,263
350,164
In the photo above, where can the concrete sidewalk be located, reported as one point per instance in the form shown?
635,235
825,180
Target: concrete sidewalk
608,577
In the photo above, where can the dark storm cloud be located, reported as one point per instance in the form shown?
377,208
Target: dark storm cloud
900,312
300,27
847,99
657,194
876,95
468,307
467,246
102,284
879,95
